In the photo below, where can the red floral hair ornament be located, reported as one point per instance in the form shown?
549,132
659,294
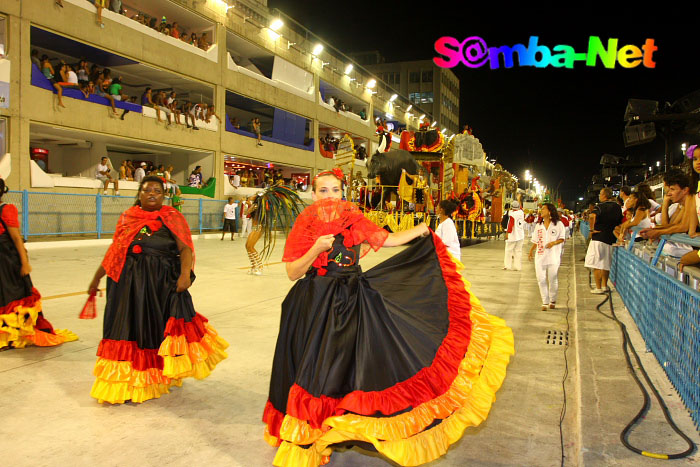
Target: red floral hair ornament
336,172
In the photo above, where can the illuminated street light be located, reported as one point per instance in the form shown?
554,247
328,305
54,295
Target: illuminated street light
421,117
393,97
348,68
276,24
318,48
371,83
409,107
433,124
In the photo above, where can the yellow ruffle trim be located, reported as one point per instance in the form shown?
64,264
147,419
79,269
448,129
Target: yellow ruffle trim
401,438
182,359
118,382
18,329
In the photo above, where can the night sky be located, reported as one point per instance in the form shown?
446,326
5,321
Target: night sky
555,122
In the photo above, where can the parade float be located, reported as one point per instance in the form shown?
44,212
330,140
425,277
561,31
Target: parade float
405,184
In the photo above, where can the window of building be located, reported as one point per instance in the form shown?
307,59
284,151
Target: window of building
414,77
426,97
392,78
427,76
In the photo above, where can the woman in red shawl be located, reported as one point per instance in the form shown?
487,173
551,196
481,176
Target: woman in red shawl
399,359
152,336
22,322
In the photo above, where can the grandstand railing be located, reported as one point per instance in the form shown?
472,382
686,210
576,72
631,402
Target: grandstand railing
52,214
666,311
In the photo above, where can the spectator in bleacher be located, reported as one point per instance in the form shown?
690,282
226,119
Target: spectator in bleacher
169,182
171,103
174,30
103,173
193,39
211,112
256,129
185,109
161,104
195,180
115,90
625,192
48,71
693,257
147,101
331,101
35,58
235,123
678,190
638,206
605,217
363,114
203,42
122,170
645,189
70,77
140,172
195,112
152,23
129,170
83,71
100,4
104,81
235,179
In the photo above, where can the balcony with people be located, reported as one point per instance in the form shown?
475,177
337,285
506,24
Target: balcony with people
265,123
139,23
68,158
335,143
247,176
75,71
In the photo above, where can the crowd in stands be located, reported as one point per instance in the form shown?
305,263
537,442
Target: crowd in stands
90,79
159,24
255,178
339,106
613,219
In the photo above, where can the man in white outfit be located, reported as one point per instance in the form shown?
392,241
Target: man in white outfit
514,238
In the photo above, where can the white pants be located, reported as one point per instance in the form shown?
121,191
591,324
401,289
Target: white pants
246,226
548,282
514,254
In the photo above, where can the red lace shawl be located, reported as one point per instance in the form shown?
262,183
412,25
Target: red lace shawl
134,219
332,216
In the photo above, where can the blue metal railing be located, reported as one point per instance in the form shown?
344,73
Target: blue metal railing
55,214
667,312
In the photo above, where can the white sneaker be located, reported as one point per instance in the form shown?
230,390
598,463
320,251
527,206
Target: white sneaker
257,272
598,291
104,193
116,193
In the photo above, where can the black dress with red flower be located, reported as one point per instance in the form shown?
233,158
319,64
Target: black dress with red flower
152,335
401,356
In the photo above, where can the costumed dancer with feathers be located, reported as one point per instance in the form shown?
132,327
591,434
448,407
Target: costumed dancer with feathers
22,322
399,359
276,207
152,335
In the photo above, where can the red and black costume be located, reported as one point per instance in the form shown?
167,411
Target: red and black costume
22,322
152,336
401,357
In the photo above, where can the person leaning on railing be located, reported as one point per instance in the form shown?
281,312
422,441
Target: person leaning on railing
693,257
678,190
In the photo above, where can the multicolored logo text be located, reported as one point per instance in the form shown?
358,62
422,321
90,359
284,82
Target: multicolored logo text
474,53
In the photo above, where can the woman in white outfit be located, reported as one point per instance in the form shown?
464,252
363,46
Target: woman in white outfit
447,230
547,240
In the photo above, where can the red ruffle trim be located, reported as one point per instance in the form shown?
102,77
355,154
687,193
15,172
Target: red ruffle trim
192,330
128,351
427,384
143,359
273,418
29,302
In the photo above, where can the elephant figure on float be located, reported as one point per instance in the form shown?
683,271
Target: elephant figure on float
388,167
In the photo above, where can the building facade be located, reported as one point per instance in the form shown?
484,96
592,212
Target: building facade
241,62
434,89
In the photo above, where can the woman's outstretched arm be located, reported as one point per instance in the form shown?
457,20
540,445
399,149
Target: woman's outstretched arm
401,238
